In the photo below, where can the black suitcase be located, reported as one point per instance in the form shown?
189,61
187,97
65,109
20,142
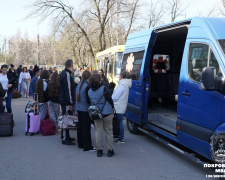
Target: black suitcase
6,124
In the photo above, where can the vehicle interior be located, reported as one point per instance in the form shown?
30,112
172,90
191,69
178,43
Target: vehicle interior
165,65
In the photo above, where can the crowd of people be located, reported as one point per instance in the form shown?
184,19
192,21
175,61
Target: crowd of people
72,90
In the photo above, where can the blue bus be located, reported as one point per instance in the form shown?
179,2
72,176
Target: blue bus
178,85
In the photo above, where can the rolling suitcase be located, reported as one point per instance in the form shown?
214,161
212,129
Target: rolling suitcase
6,124
32,124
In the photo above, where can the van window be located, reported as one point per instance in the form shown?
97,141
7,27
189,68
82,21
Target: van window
198,58
161,63
213,62
132,63
201,56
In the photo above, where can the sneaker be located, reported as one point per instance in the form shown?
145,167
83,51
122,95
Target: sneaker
67,142
92,150
72,139
120,141
110,153
99,153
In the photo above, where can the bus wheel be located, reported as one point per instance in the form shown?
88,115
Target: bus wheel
132,127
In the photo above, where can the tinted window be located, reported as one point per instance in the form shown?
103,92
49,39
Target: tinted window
132,63
213,62
198,58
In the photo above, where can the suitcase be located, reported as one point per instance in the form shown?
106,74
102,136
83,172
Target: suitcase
6,124
32,124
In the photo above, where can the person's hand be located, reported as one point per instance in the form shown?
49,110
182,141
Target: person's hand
9,85
70,107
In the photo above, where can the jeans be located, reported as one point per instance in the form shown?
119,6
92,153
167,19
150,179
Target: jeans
25,87
54,112
120,117
8,103
43,110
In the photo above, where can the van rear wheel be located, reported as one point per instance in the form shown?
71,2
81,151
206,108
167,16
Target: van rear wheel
132,127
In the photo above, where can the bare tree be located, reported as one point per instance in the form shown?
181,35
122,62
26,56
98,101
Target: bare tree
156,13
61,13
176,8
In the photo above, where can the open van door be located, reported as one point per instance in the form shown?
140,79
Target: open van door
135,59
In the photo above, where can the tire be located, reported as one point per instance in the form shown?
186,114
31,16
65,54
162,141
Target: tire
132,127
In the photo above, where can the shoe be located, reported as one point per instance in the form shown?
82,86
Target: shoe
67,142
92,150
115,136
110,153
99,153
120,141
72,139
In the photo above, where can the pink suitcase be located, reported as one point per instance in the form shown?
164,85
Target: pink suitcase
32,125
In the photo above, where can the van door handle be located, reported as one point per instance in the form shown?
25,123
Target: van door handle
138,85
186,94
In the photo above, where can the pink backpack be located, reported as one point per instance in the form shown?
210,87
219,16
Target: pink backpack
47,127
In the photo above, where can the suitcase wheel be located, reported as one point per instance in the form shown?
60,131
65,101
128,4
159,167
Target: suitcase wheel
37,132
25,133
31,134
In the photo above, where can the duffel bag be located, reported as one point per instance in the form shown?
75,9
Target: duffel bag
16,94
47,127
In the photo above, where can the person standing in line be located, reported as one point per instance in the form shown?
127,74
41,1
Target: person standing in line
12,76
36,72
120,99
41,87
84,121
53,94
2,95
6,84
19,70
31,71
98,93
105,81
67,97
24,79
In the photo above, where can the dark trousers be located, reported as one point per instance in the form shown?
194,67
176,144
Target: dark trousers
8,101
84,131
67,131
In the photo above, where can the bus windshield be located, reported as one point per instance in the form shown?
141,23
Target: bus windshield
118,63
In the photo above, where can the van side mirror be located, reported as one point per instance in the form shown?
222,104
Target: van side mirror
208,79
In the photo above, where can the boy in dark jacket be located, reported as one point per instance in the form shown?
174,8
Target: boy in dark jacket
67,97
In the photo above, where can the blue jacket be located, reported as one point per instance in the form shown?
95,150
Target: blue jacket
83,104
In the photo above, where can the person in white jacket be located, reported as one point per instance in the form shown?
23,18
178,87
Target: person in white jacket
120,99
25,79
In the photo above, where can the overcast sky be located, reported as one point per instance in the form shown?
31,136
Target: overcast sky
12,13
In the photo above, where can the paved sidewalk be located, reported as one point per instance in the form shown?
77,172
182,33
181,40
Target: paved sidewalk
45,158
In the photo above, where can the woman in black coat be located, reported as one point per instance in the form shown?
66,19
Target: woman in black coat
2,94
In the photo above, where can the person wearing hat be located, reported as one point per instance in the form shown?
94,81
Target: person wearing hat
7,83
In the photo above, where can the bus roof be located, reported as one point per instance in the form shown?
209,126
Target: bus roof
114,49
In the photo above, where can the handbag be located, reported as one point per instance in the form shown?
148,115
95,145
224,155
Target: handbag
68,121
116,125
94,112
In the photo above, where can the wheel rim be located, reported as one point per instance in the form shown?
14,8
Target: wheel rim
131,124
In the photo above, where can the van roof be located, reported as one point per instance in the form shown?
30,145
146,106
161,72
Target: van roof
217,26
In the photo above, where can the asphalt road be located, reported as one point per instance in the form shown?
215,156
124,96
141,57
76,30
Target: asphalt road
45,158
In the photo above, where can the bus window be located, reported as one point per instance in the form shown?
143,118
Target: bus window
118,62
